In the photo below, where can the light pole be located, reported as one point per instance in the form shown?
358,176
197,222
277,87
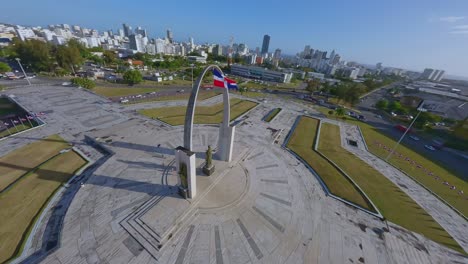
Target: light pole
192,65
21,66
420,109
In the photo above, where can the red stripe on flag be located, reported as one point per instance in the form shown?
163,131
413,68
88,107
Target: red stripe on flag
218,83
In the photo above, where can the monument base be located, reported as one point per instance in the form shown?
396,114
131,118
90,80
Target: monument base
208,171
187,157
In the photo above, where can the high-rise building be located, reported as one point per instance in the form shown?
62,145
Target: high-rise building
265,44
169,36
141,31
378,66
127,30
332,55
136,43
277,54
306,51
218,50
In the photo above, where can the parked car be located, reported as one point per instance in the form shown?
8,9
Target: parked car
361,117
415,138
378,116
429,147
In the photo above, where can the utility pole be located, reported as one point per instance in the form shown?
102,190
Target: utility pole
420,109
21,66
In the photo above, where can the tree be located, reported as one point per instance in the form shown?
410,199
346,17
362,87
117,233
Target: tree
313,85
340,111
133,77
68,57
243,90
83,82
331,112
394,106
109,57
34,53
382,104
4,67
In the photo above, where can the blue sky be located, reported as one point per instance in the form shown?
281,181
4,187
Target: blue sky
412,34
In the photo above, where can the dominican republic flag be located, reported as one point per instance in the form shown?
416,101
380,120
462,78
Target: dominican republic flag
219,80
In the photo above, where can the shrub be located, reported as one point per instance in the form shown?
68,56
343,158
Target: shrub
133,77
83,82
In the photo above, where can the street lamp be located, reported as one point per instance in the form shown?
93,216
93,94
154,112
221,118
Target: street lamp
192,65
420,109
21,66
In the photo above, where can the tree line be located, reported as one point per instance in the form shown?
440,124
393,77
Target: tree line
348,90
39,56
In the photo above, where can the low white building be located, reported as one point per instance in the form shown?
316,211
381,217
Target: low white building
261,73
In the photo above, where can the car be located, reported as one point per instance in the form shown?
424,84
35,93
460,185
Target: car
415,138
429,147
393,114
361,117
378,116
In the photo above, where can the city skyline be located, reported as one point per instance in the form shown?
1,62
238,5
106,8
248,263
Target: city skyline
414,38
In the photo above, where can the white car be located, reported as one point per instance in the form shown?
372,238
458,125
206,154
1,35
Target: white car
415,138
429,147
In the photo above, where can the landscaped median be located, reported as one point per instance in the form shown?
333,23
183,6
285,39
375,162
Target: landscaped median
29,177
395,205
447,185
272,114
302,142
175,115
428,173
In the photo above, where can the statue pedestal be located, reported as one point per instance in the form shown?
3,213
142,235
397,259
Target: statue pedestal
208,171
187,157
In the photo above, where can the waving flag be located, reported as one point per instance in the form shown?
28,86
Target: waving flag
219,80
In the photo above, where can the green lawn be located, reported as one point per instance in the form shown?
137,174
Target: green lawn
460,202
302,143
272,114
373,136
22,204
203,114
18,162
393,203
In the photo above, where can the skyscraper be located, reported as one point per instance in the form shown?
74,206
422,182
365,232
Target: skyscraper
265,44
127,30
141,31
277,54
169,36
136,43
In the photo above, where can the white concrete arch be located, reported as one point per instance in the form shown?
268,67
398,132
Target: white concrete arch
185,154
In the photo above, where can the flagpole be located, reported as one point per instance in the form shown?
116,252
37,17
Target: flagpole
21,121
29,120
14,125
9,133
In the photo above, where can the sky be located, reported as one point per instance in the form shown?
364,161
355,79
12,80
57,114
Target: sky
411,34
